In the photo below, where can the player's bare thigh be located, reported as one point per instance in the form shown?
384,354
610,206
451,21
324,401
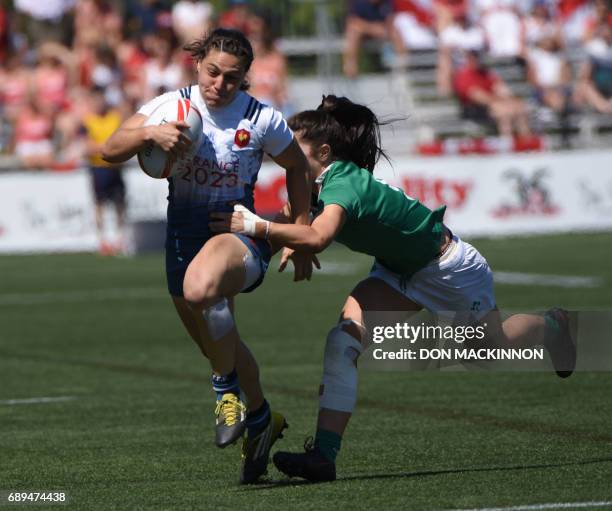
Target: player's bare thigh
217,271
372,294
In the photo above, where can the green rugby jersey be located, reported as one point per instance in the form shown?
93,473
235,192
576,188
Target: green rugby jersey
381,220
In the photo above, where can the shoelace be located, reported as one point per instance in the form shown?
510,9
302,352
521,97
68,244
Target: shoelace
230,409
309,444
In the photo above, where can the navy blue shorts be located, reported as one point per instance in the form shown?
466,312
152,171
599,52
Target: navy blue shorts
185,237
108,184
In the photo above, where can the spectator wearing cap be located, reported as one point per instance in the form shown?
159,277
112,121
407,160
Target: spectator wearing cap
485,97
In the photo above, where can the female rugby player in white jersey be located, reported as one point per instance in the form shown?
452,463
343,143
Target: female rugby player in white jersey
419,264
204,272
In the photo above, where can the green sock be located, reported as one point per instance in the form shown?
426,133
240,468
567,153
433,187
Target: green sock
328,443
552,328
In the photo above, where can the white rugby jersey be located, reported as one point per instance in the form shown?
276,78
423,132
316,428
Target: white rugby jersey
226,163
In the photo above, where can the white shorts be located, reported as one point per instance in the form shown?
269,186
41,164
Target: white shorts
459,281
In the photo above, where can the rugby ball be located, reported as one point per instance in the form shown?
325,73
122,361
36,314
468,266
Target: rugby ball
153,159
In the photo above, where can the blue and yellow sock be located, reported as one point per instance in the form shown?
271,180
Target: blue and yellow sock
227,384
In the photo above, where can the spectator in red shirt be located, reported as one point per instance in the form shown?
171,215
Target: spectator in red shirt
484,96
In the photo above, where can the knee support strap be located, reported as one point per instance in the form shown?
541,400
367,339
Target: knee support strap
339,382
219,319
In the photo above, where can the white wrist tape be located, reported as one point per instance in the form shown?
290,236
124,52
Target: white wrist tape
249,219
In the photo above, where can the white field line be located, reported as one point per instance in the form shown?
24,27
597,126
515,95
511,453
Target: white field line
332,268
36,400
89,295
536,507
537,279
328,268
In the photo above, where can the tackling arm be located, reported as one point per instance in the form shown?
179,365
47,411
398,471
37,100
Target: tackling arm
307,238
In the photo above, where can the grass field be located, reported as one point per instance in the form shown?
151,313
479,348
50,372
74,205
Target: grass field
137,432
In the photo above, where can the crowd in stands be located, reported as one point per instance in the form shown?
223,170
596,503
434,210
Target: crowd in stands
56,55
539,35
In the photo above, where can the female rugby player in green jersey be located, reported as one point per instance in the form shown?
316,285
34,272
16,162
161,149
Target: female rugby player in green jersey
419,264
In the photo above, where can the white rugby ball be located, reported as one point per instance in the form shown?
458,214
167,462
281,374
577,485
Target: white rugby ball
153,159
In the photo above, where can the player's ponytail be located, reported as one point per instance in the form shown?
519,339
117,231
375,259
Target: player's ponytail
361,131
351,130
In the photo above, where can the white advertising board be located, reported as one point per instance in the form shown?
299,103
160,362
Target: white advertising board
486,196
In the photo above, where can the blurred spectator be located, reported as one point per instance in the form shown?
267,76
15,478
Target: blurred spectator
268,74
456,39
4,33
46,19
142,16
106,75
574,16
447,11
107,180
600,16
15,85
191,19
97,21
162,73
540,24
238,16
414,22
550,74
132,60
52,76
485,97
368,19
595,81
33,133
502,25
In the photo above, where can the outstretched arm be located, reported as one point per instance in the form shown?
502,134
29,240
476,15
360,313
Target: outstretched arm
308,238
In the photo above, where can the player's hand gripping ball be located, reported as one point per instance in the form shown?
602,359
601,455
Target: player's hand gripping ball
175,142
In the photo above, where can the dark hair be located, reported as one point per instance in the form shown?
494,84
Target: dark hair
351,130
225,40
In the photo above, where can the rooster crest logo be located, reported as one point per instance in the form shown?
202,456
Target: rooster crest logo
242,138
